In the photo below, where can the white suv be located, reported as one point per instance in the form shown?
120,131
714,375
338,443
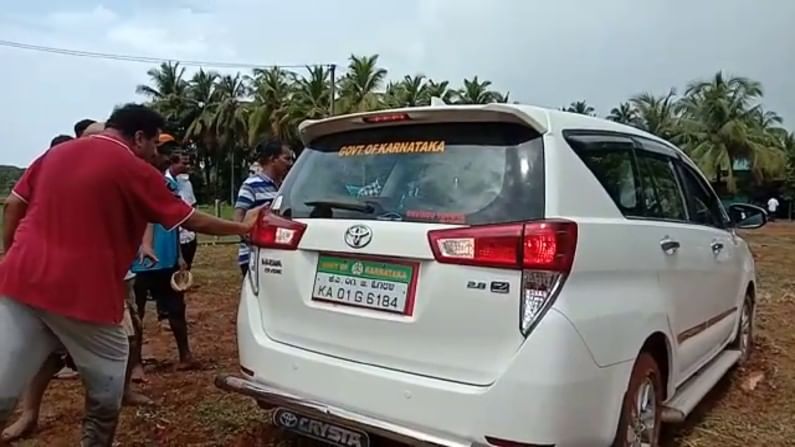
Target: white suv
491,275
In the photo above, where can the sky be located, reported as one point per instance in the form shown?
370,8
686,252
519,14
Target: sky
546,53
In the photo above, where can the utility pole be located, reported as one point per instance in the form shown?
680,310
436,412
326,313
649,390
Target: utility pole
333,87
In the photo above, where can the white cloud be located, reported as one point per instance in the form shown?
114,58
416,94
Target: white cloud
98,15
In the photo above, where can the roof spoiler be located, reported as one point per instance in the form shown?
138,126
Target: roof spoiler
532,117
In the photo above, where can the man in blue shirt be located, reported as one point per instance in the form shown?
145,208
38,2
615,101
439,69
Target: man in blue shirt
275,159
153,275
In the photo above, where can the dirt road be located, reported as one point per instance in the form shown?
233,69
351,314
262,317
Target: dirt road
191,411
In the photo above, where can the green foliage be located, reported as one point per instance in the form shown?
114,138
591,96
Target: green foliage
788,145
8,176
581,107
718,121
222,117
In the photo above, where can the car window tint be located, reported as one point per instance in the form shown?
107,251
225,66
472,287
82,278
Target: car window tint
611,161
705,208
661,192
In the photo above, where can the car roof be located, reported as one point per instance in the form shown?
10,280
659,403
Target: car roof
544,120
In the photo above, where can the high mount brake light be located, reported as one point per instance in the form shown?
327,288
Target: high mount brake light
272,231
386,118
544,252
544,245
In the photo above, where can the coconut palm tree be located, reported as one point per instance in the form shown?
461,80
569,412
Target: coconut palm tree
167,91
271,109
724,124
439,90
313,93
200,100
230,117
360,86
167,79
394,95
409,92
581,107
658,115
625,113
476,91
501,98
413,90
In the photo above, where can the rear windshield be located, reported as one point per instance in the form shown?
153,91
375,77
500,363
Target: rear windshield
462,173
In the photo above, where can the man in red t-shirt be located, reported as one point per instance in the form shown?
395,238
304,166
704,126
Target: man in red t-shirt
73,226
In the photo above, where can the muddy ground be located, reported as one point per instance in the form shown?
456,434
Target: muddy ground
191,411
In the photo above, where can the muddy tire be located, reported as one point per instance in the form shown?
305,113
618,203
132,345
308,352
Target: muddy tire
744,340
639,425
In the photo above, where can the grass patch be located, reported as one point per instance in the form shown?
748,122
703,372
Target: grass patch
228,416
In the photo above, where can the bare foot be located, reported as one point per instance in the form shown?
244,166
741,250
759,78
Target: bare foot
23,427
133,399
66,373
146,354
188,364
138,375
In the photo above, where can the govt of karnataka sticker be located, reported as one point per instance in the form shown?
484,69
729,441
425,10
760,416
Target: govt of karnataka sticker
401,147
365,269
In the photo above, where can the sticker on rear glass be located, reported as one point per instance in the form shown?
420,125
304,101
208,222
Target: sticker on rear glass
436,216
408,147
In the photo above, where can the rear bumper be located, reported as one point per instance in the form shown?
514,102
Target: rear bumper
278,397
552,393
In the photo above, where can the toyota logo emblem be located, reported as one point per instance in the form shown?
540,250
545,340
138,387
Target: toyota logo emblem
358,236
287,419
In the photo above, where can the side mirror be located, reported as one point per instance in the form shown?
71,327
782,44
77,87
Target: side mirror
747,217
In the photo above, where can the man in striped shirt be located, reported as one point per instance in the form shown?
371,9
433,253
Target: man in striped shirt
275,159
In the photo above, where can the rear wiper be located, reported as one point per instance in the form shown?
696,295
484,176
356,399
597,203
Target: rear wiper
343,205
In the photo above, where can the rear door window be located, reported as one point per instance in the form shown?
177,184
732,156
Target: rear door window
465,173
611,160
661,192
705,207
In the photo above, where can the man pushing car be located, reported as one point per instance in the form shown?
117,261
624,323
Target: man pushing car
73,225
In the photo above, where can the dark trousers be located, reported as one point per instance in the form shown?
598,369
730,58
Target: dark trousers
157,284
189,252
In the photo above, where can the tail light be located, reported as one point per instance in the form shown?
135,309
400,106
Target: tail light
543,251
272,231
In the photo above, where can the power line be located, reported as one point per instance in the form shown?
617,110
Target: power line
142,59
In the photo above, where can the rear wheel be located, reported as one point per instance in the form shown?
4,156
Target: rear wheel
744,341
639,425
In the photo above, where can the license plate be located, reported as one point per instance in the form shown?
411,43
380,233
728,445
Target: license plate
384,286
318,429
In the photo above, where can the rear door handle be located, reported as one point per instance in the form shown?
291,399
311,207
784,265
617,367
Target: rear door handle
669,246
